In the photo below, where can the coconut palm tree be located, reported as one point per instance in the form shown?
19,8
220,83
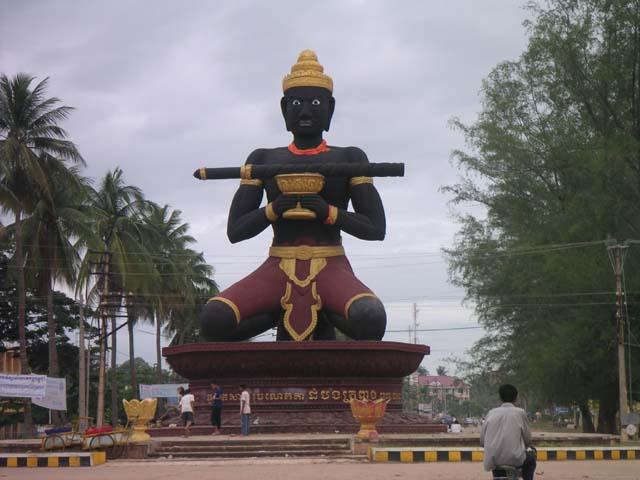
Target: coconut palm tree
173,241
123,260
181,273
197,289
57,218
29,135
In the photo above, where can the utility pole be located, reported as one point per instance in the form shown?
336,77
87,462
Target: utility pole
415,323
618,252
415,341
82,390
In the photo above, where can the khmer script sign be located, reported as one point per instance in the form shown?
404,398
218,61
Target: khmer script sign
22,385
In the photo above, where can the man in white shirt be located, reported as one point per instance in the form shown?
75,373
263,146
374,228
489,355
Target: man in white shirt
245,409
186,409
505,436
456,427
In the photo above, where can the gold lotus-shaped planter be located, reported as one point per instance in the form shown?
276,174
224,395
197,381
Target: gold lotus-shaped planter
299,184
368,413
140,413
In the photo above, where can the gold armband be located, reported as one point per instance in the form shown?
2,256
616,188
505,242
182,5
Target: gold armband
271,215
360,180
254,182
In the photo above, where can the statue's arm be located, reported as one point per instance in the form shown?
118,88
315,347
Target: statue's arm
367,221
246,218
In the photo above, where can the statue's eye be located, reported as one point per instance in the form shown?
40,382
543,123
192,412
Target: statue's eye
315,102
296,102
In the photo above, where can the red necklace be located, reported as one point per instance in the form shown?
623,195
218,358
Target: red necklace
309,151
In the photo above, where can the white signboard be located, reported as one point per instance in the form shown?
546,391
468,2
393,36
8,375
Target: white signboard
55,396
161,390
22,385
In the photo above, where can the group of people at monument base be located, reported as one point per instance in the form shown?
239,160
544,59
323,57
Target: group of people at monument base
186,405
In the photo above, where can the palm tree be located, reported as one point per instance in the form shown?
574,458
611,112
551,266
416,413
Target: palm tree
29,135
185,281
56,219
198,288
179,271
123,260
168,262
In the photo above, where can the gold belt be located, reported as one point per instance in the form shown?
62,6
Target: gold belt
306,252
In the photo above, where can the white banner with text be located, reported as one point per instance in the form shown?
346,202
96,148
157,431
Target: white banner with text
22,385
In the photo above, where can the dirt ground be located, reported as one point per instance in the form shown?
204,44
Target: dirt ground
312,469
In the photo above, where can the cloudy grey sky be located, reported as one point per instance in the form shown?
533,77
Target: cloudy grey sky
163,87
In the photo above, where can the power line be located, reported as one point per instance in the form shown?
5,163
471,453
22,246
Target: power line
524,250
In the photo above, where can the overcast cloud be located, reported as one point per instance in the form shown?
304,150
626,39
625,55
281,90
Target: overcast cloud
162,88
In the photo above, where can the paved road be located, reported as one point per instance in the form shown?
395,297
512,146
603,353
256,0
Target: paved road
276,469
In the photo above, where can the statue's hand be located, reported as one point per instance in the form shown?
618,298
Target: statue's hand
284,203
316,204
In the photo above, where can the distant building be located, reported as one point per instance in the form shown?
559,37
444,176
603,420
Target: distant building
441,386
10,360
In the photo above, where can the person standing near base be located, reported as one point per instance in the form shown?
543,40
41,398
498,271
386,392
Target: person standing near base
186,408
245,409
505,436
216,408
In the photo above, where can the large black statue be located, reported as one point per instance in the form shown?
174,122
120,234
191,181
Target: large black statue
306,287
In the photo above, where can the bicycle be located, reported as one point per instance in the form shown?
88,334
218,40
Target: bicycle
509,472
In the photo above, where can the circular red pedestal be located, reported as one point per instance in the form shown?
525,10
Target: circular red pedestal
299,386
218,360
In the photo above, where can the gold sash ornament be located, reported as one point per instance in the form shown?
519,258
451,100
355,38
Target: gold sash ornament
301,302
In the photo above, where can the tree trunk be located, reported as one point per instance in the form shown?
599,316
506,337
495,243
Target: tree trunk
54,370
22,329
114,373
103,343
158,350
132,355
587,419
607,414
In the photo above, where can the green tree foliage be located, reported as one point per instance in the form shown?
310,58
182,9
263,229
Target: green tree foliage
59,218
554,159
66,312
31,144
147,374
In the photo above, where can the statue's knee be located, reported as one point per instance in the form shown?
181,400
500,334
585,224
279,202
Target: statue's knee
217,321
367,319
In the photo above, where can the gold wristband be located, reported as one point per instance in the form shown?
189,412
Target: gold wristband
254,182
332,216
271,215
245,171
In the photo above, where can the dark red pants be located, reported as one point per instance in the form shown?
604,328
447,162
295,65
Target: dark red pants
299,287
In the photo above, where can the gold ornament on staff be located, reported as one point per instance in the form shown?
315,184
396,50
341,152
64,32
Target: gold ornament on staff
139,414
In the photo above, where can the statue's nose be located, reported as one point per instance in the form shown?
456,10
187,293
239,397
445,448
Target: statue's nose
306,111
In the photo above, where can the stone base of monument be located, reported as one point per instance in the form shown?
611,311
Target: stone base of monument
298,386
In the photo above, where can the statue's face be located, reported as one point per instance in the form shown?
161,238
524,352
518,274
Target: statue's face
307,111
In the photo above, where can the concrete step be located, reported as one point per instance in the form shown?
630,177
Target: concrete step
244,448
257,453
217,440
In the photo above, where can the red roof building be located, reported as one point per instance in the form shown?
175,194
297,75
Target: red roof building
441,385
